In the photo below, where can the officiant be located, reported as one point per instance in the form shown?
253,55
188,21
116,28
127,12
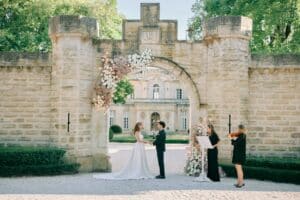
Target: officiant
212,155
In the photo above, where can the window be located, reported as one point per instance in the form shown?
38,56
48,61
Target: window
155,91
112,115
132,96
179,94
125,121
183,120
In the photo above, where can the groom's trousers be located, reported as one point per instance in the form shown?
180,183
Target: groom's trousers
160,158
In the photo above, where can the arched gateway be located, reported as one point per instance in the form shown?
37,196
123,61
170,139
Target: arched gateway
213,71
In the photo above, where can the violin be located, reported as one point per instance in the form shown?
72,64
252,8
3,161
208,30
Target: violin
235,134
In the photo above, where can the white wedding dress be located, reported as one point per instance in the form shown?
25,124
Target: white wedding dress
136,167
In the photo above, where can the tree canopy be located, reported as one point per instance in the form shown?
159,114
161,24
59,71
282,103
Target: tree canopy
276,23
24,23
24,26
123,90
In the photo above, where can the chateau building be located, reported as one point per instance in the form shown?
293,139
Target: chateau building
158,95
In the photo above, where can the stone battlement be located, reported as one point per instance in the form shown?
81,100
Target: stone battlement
275,61
23,59
228,26
84,26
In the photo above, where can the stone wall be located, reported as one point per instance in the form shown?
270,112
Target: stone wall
228,59
24,101
274,106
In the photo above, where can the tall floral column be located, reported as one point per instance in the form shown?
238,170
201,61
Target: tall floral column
193,164
110,72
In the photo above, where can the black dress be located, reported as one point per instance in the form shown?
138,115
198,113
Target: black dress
212,159
239,150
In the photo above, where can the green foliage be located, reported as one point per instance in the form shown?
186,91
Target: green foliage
18,161
24,23
276,23
13,156
263,173
39,170
123,90
175,139
274,163
116,129
273,169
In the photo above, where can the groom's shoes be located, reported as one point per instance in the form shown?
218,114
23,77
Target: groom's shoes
160,177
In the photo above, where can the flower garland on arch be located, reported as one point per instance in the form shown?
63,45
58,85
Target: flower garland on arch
112,71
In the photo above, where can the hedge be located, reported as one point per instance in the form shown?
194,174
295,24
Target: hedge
14,156
133,140
39,170
116,129
19,161
274,163
264,173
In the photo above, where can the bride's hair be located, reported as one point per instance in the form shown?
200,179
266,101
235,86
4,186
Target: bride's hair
137,127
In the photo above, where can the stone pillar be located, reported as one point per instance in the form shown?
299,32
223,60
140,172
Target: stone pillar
73,73
228,59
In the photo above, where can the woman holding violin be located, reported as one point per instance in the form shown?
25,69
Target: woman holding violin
238,140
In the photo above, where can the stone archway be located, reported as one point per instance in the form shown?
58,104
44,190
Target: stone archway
220,62
155,116
180,73
187,83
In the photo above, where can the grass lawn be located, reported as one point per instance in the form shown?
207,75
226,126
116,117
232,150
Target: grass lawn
171,138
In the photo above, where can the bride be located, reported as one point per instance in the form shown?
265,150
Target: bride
137,166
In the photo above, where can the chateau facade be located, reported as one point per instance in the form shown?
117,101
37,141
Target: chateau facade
158,95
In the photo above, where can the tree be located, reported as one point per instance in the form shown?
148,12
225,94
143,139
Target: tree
24,26
24,23
123,90
276,23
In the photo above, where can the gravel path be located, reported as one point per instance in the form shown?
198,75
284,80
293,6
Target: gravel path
176,186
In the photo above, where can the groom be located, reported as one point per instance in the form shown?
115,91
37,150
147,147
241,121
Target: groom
160,143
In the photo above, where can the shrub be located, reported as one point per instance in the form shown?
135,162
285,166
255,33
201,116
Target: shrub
14,156
116,129
263,173
39,170
18,161
274,163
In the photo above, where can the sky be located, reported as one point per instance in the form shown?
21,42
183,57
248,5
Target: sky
169,9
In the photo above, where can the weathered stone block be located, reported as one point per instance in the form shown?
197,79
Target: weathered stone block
68,24
295,135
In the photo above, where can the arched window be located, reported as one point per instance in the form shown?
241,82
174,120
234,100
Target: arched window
155,91
155,117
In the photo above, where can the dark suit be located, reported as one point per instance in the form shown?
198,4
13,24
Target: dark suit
160,143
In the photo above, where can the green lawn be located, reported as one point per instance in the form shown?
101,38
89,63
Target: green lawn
171,138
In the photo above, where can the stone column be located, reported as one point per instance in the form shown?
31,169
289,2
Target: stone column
228,59
73,73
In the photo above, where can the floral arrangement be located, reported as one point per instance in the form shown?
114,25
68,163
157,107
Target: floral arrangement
112,71
141,62
193,164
